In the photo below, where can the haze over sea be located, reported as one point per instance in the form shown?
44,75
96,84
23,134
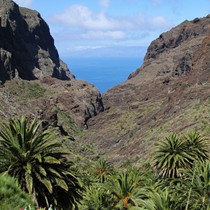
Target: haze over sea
104,73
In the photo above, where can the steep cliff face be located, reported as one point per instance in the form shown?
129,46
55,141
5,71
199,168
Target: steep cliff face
168,93
27,49
34,81
178,46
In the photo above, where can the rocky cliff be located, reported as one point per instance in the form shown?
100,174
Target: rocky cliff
27,49
170,92
34,81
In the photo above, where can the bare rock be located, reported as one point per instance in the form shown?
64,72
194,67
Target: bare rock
37,82
27,49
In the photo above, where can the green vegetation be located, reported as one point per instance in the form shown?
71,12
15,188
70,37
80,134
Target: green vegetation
177,178
23,91
30,89
11,196
35,158
175,152
66,120
35,90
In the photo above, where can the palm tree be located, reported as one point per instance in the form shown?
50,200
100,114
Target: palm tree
125,189
197,145
102,170
157,200
171,155
177,152
35,158
97,197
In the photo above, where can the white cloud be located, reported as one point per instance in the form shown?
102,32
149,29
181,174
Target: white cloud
160,21
79,26
105,3
104,35
81,16
86,47
24,3
156,2
154,23
66,35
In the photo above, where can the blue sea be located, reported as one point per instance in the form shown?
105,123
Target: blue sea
104,73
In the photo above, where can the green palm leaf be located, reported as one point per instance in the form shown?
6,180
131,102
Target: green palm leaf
42,171
29,182
36,159
51,160
61,183
171,155
46,183
54,172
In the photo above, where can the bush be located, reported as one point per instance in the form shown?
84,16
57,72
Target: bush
11,196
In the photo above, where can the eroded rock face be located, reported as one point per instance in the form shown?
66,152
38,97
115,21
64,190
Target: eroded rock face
186,31
177,47
27,49
33,80
168,93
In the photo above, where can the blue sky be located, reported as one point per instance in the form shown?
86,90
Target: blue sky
125,28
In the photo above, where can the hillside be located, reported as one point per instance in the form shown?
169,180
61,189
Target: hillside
93,151
170,92
33,80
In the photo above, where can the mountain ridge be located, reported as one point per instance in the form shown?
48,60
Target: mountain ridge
168,93
34,81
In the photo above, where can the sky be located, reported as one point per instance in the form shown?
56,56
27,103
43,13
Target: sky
112,28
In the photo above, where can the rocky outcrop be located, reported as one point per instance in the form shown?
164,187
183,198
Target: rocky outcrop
177,45
168,93
66,105
27,49
33,80
186,31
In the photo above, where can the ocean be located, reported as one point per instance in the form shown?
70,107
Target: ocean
103,73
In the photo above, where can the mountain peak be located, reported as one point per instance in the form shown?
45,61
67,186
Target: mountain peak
34,82
27,49
174,50
185,31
